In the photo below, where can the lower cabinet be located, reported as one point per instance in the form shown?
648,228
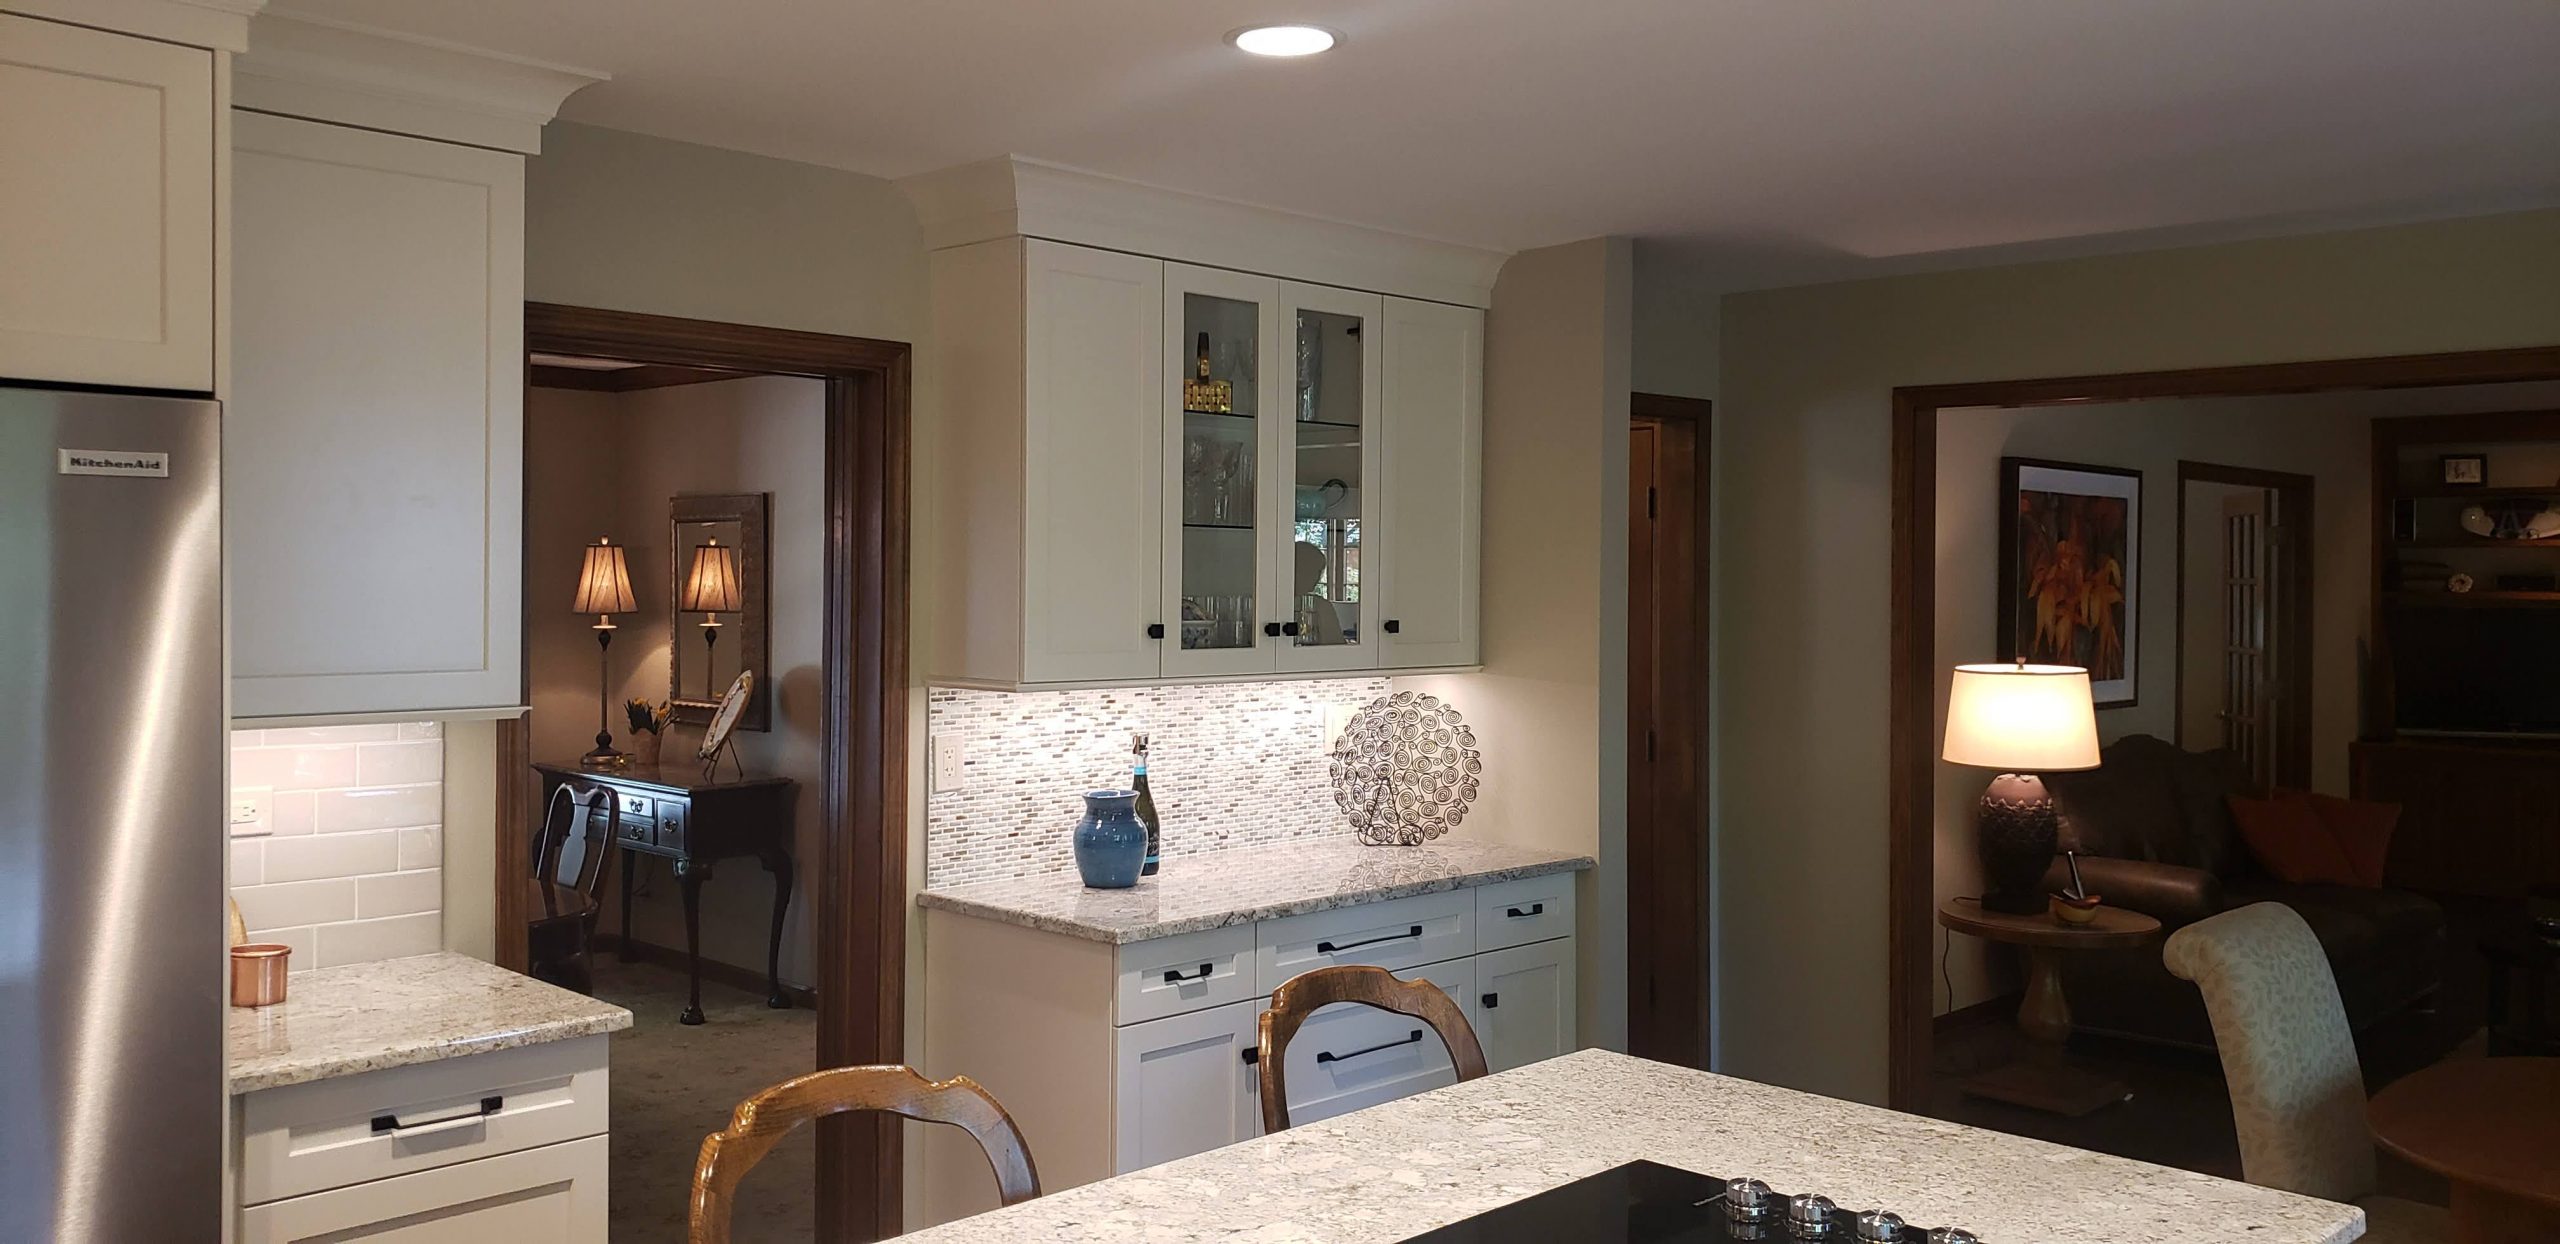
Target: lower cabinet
556,1192
1522,1003
1185,1084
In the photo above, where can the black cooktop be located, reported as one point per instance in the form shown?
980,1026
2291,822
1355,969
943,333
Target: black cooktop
1643,1203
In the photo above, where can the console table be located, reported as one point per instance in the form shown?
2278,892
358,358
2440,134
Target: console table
676,813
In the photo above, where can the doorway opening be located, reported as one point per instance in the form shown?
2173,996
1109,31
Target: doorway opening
1667,966
2244,618
746,490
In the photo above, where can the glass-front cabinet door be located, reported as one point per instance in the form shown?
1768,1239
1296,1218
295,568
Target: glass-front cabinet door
1226,376
1326,455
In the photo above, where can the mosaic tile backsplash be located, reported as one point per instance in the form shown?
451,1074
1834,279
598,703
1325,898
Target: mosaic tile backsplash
1231,765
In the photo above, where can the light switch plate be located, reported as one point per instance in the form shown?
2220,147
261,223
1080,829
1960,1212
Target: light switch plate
250,811
950,761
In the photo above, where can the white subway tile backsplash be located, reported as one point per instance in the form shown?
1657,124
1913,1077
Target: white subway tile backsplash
380,807
352,869
399,894
332,855
296,902
362,941
1230,765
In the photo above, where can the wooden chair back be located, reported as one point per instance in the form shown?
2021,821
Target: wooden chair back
572,817
761,1121
1309,992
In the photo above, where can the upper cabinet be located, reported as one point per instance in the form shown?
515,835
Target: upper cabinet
107,177
374,431
375,445
1152,470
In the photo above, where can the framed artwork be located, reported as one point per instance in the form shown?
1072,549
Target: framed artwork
2070,557
2465,470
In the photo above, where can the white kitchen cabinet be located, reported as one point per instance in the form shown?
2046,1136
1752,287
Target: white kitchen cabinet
107,177
1348,1057
1523,1004
1104,514
554,1194
1185,1084
1050,480
1427,558
374,437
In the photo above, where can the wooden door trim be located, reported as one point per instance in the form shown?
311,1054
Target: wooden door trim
1679,734
2296,497
858,920
1912,704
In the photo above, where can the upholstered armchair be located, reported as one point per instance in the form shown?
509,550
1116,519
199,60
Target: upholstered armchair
2297,1093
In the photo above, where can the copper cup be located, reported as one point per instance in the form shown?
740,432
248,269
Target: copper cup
257,973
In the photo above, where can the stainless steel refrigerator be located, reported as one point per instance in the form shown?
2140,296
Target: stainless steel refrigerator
112,825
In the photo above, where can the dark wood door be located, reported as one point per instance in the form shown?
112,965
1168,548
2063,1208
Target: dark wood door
1666,697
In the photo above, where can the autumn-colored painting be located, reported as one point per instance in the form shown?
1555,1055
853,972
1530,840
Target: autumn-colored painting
2071,543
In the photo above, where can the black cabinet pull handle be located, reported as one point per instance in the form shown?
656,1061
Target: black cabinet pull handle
1492,1000
1252,1055
1155,630
1395,627
1515,913
1329,948
1173,976
1289,629
1271,629
393,1124
1411,1038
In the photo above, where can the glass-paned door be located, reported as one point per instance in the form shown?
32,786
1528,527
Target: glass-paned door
1223,386
1327,449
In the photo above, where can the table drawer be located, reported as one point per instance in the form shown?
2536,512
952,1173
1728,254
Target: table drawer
1183,973
1516,913
1349,1056
1396,934
673,817
305,1138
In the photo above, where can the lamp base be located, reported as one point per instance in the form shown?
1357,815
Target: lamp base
2016,829
604,756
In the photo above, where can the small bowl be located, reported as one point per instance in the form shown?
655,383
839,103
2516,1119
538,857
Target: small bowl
258,973
2071,910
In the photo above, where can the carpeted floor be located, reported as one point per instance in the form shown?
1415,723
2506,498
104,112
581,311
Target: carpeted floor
673,1085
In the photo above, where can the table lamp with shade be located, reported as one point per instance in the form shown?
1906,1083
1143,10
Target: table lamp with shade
2023,720
604,589
712,587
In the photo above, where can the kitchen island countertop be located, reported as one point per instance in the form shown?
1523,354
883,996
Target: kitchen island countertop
1218,888
1396,1170
397,1012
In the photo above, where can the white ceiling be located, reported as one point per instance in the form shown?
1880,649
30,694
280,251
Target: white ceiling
1776,139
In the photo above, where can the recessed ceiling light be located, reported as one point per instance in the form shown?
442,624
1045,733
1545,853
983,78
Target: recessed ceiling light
1284,40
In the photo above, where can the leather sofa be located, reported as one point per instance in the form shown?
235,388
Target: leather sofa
2155,835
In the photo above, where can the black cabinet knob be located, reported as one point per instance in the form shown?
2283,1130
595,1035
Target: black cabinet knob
1289,629
1492,1000
1271,629
1155,630
1394,627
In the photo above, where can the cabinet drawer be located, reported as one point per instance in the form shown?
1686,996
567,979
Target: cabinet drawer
1396,934
1189,972
305,1138
1349,1056
555,1194
1516,913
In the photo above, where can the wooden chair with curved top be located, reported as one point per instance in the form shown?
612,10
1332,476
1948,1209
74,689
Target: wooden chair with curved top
561,894
760,1122
1305,994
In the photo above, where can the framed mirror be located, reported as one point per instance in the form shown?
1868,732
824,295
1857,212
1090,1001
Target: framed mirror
717,576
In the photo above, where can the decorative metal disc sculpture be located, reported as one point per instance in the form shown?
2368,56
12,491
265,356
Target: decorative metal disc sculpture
1405,770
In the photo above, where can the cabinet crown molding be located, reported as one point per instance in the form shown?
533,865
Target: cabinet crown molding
222,25
352,75
1014,195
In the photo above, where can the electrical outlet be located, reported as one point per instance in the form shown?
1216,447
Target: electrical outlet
249,811
950,761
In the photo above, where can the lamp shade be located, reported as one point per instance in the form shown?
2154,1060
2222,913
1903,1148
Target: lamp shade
604,581
2022,718
712,586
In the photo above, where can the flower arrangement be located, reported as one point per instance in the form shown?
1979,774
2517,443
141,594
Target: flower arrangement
647,718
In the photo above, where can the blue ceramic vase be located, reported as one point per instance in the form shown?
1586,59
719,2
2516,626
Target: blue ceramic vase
1111,842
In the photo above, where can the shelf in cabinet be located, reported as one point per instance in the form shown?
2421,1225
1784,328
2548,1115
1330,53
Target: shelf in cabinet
2473,599
1217,527
2479,542
2444,492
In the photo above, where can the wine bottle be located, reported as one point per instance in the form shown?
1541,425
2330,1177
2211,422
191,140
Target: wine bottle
1204,396
1146,808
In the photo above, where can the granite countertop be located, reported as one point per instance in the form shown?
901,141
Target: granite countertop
368,1016
1220,888
1398,1169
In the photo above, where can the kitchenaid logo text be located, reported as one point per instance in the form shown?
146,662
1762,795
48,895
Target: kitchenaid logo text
113,462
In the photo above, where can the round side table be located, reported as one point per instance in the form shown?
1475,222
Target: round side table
2046,1081
2488,1126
